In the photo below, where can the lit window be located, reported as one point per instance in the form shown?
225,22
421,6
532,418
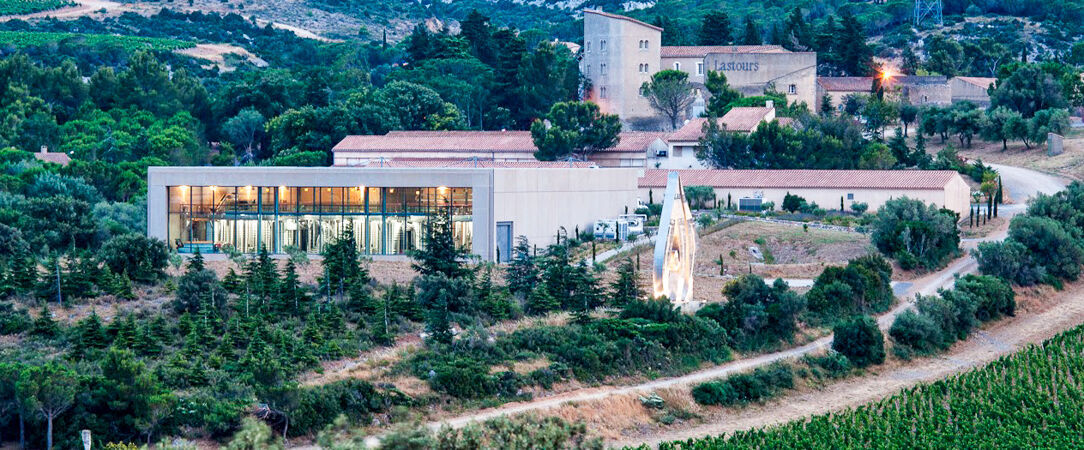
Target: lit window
793,89
677,66
699,68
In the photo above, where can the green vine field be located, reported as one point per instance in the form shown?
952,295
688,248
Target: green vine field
21,39
1030,399
9,7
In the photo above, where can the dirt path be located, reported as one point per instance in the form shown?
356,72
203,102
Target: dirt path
82,8
983,347
107,8
216,54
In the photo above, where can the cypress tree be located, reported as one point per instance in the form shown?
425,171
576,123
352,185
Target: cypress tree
626,288
751,34
714,29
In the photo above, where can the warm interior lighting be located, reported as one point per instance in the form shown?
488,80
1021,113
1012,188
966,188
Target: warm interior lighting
887,74
213,188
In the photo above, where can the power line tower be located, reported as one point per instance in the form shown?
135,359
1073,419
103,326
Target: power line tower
928,10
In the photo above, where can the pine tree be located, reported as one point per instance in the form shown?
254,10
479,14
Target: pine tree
24,274
292,294
44,325
440,255
855,55
586,294
751,33
195,264
714,29
90,335
233,283
522,272
262,277
626,288
797,33
540,301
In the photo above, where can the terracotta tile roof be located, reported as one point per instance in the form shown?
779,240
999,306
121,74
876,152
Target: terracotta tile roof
470,163
811,179
785,121
473,142
737,119
615,16
981,82
52,157
700,51
849,84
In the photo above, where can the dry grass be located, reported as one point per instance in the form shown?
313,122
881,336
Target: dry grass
991,226
610,417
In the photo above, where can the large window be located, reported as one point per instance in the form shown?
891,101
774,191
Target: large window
384,220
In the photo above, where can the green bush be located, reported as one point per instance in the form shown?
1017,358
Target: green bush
144,259
916,331
860,340
745,388
756,314
835,364
908,226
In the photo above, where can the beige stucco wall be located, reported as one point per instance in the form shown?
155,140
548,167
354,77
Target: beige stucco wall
836,96
954,196
538,202
927,94
750,72
962,91
688,65
622,57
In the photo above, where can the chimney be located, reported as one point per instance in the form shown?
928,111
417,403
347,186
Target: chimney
45,149
769,104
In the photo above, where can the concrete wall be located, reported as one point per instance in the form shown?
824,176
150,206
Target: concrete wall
479,180
623,57
751,72
955,196
538,202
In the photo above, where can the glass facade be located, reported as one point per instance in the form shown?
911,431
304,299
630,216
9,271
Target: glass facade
385,220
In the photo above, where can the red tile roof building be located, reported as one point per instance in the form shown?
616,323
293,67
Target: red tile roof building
502,146
52,157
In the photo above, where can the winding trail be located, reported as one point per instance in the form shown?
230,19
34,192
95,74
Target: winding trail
988,344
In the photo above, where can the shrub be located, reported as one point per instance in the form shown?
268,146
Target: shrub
859,207
860,341
1053,247
916,331
863,286
792,203
756,314
143,258
995,297
744,388
925,232
835,364
463,378
1009,260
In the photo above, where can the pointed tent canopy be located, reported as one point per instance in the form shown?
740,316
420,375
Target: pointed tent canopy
675,246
